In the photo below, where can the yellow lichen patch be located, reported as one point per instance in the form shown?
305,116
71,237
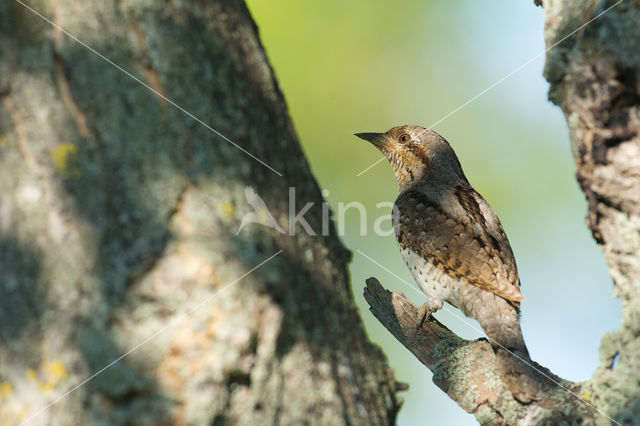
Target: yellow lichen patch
228,210
5,389
56,372
63,157
32,375
52,374
586,395
4,141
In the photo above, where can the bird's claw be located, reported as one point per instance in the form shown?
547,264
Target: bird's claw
424,313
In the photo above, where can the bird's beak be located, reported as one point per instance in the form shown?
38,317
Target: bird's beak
376,139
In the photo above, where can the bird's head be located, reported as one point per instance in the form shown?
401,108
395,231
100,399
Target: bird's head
416,154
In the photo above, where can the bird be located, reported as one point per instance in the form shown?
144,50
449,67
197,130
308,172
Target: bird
455,246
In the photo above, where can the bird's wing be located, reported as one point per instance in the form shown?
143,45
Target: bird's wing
462,236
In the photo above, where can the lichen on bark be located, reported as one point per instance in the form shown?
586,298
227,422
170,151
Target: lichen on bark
118,215
595,79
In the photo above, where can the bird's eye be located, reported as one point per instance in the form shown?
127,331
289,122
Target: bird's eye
404,138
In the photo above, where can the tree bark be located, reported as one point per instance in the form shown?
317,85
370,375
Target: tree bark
118,215
595,79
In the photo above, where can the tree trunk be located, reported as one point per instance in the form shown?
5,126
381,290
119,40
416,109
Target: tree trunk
595,79
118,221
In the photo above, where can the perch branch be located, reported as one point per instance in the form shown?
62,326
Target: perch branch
467,370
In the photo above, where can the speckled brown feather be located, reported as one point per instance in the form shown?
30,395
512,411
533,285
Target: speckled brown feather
476,254
454,245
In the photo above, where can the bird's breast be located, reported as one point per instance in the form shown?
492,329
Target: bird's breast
434,283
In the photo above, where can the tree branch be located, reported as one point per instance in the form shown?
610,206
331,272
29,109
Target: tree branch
467,370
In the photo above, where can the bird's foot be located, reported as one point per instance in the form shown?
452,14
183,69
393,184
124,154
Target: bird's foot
423,315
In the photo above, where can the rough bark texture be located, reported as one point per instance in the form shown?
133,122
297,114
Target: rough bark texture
469,371
118,215
595,79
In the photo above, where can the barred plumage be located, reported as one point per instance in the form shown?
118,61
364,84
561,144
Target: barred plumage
454,244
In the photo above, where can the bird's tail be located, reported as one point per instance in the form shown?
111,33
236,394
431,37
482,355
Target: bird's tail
517,370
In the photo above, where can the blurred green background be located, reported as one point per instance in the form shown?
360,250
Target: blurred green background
361,66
